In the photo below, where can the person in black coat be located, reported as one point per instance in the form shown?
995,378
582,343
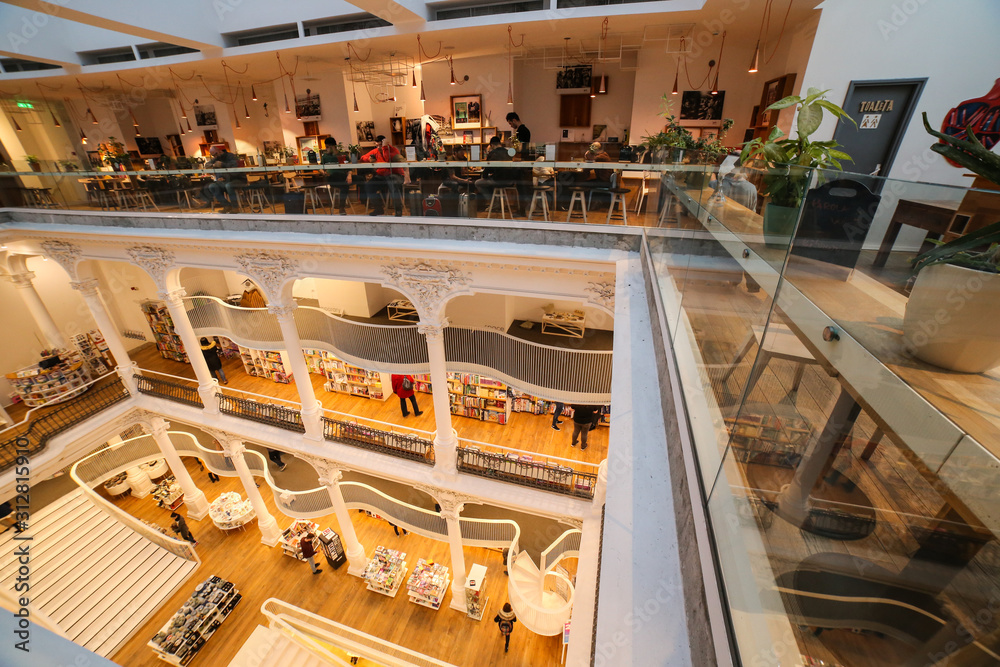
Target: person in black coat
583,419
211,353
181,528
505,620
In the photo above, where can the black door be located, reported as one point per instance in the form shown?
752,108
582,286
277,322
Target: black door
882,110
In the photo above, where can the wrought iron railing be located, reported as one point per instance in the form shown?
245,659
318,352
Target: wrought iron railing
510,468
172,391
400,445
280,416
39,430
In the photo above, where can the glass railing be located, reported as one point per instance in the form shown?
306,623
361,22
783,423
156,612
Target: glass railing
852,480
330,189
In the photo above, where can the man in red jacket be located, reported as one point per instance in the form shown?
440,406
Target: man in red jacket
386,178
402,386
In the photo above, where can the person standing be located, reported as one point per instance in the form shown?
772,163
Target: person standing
275,457
505,620
402,386
583,418
180,527
556,414
386,178
309,552
211,353
336,178
521,133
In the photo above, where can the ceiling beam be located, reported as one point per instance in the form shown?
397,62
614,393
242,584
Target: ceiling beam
395,12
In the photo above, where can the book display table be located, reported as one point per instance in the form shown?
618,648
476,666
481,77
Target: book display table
564,323
169,494
428,584
230,511
386,571
291,537
179,641
39,386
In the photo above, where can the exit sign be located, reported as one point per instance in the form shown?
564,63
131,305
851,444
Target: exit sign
25,105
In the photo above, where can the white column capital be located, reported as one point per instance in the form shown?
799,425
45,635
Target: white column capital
451,506
173,297
429,285
433,331
22,280
283,311
67,255
155,261
86,287
331,477
270,270
157,426
233,446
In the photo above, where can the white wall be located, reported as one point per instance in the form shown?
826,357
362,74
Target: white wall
902,40
124,287
204,281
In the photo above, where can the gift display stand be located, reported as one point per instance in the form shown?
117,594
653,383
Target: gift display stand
169,494
291,537
230,511
474,600
428,584
333,549
385,571
195,622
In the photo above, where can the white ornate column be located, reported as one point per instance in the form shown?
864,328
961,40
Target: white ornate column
139,482
269,531
88,289
311,413
23,282
429,286
182,326
451,509
330,476
194,498
445,439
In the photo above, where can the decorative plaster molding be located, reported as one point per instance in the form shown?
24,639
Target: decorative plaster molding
433,332
451,506
576,523
66,254
428,286
155,261
21,280
174,297
87,287
282,310
270,270
604,294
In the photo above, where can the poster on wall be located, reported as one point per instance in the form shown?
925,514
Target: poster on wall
366,131
307,106
204,115
572,80
466,111
703,107
149,145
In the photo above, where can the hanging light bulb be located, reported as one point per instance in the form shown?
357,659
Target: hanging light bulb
93,118
413,73
452,73
135,123
756,58
715,86
238,123
423,97
288,109
189,125
55,121
137,132
510,93
604,85
676,77
253,93
245,110
184,114
182,128
83,137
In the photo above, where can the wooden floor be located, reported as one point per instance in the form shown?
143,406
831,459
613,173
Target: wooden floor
262,572
721,317
524,431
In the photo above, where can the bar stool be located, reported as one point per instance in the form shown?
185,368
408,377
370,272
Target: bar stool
41,198
617,195
334,197
144,200
540,193
577,197
500,195
310,199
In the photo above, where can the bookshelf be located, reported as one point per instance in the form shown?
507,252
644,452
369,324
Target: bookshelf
37,386
344,378
94,352
265,364
397,130
478,397
522,402
166,339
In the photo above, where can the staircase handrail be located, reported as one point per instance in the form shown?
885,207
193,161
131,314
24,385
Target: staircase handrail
303,640
276,610
573,534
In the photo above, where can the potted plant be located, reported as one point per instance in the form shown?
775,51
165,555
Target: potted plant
708,152
33,162
670,144
953,314
791,162
68,165
355,151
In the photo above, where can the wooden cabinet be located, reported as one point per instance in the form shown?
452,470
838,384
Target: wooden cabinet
397,130
574,111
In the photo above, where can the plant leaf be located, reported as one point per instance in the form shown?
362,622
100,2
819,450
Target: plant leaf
809,120
840,155
791,100
835,110
773,153
812,94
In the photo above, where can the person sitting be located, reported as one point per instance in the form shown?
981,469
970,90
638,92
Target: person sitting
494,177
735,186
336,178
386,178
223,188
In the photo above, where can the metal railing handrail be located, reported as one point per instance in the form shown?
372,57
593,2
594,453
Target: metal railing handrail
355,418
544,564
174,377
27,415
303,640
523,451
223,390
274,609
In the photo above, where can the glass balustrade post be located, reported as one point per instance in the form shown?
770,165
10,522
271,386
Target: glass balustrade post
357,560
23,282
182,325
311,413
445,440
270,533
88,289
451,510
194,498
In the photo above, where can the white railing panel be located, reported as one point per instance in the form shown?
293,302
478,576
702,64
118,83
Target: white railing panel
566,545
489,533
423,522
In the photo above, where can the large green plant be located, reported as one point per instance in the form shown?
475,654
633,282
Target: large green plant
673,135
967,250
791,161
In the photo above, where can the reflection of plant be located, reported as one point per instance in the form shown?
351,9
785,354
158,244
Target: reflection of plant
969,153
68,165
112,150
713,149
790,160
31,159
673,135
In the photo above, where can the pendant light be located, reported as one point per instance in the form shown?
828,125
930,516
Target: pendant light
413,73
16,126
93,118
188,121
55,121
182,128
253,93
288,109
423,96
677,73
604,86
83,137
755,60
245,110
356,103
135,123
718,67
510,93
453,77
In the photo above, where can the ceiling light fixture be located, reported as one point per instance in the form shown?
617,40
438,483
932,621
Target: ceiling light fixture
16,126
356,103
718,68
182,128
423,96
83,137
93,118
413,74
55,121
253,93
755,60
188,121
604,85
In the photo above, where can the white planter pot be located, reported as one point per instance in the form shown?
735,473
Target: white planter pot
953,318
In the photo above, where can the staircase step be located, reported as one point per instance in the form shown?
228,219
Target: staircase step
73,555
45,536
65,581
255,648
114,632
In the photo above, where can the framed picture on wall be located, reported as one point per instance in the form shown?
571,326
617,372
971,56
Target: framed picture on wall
466,111
703,107
307,106
149,145
365,130
575,79
204,115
